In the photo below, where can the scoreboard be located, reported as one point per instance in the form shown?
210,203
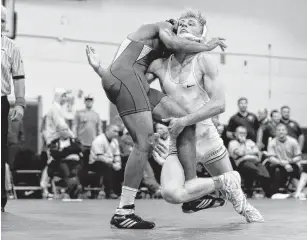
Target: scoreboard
11,18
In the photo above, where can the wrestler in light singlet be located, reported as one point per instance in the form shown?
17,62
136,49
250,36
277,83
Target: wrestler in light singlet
192,95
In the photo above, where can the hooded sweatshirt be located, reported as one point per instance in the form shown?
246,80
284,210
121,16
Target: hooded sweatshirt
55,119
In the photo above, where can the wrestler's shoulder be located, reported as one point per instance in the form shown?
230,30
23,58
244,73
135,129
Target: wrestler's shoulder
206,62
204,57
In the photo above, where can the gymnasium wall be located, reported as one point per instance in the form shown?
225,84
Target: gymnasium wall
51,61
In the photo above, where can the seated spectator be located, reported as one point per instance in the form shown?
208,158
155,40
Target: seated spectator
54,125
245,154
267,130
104,157
66,153
284,157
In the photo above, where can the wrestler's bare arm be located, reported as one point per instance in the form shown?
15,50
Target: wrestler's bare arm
155,71
175,43
213,87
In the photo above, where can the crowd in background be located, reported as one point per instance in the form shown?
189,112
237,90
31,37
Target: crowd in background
266,149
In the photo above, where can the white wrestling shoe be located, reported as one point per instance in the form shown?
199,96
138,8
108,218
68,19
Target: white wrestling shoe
232,188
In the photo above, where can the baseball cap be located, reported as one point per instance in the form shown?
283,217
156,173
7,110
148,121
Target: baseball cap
89,97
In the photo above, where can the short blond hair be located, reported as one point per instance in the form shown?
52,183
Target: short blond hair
196,14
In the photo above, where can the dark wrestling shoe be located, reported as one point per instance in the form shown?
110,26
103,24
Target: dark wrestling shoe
202,203
130,221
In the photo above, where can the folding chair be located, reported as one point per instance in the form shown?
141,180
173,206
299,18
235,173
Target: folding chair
28,189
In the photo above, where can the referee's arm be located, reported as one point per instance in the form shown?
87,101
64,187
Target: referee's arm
18,77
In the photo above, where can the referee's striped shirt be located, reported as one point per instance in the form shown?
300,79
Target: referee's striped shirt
11,65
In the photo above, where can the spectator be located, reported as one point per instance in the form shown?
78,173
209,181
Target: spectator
87,126
245,119
293,127
267,130
67,159
284,156
245,154
16,139
55,121
221,129
102,157
263,116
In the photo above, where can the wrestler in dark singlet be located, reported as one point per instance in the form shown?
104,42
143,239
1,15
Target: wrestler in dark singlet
125,80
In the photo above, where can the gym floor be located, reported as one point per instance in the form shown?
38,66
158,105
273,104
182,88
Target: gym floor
54,219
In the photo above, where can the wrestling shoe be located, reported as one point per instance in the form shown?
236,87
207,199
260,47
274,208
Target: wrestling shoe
202,203
231,186
130,221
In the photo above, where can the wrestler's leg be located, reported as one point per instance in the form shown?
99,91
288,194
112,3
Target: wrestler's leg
174,188
219,166
167,108
140,127
178,178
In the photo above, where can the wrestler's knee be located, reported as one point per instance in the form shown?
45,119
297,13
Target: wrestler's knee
146,142
172,195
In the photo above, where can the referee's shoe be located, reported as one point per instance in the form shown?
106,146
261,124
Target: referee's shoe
130,221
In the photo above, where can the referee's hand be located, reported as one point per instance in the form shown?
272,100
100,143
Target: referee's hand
17,113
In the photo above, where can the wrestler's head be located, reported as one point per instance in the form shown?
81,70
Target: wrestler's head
192,25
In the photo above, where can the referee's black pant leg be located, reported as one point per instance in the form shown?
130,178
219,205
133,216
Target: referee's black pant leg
5,107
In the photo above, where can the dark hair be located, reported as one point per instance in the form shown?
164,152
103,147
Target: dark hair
283,107
281,124
273,111
241,99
